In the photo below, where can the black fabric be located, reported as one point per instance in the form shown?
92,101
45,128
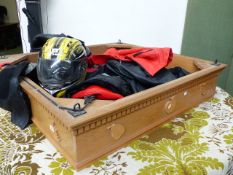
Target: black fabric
126,78
33,14
3,13
12,98
178,72
113,83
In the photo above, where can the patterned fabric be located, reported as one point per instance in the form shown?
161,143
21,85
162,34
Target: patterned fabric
198,142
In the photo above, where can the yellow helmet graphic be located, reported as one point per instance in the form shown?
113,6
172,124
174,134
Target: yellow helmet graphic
62,62
62,48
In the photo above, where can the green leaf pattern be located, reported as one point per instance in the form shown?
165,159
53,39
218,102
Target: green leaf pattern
170,156
198,142
185,155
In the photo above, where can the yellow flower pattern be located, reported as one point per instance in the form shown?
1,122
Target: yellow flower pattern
61,167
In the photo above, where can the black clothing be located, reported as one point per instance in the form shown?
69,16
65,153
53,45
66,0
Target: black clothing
12,98
126,78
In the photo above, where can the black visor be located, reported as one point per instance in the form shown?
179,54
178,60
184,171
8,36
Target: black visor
56,74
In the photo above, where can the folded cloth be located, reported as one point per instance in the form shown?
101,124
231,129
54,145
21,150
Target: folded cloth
12,98
113,83
124,78
3,64
150,59
99,93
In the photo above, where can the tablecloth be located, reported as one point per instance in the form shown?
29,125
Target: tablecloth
198,142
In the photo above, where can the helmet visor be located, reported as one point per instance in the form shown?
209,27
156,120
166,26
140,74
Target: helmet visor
56,74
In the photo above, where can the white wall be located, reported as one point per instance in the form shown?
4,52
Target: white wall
157,23
23,25
11,10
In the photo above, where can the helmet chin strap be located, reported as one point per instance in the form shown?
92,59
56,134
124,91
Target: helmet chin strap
77,110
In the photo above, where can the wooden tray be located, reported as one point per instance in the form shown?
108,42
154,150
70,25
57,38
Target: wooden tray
108,125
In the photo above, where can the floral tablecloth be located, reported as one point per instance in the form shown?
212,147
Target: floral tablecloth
198,142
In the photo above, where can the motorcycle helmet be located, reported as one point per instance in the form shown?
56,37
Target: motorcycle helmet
62,62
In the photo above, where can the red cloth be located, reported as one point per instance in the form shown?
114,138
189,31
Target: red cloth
4,64
99,92
150,59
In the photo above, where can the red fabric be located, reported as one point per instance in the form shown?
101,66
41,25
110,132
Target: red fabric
99,92
3,64
151,59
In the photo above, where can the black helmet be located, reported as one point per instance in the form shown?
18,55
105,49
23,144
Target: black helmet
62,62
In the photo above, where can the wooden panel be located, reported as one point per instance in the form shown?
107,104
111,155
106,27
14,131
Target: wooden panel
208,33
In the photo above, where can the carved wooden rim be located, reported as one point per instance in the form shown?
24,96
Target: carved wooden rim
135,107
